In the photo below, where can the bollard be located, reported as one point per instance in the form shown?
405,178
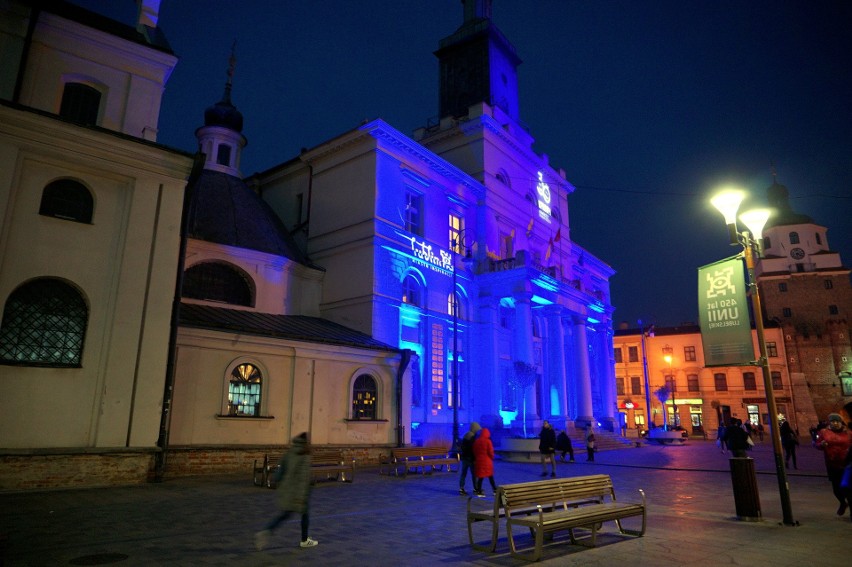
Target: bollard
746,497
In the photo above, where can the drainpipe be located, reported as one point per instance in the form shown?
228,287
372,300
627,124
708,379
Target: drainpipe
165,417
405,359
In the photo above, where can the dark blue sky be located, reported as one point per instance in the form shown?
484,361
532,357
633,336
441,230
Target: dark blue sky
647,105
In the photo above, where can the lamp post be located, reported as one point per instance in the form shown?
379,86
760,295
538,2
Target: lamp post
646,332
667,356
457,248
728,202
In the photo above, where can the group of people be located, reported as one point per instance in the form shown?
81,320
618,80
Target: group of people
477,456
834,439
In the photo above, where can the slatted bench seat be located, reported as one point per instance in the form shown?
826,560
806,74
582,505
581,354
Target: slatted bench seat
325,464
426,459
547,506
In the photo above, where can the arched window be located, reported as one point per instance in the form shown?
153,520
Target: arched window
214,281
244,390
503,178
455,306
67,199
794,238
364,398
223,154
411,291
80,103
44,324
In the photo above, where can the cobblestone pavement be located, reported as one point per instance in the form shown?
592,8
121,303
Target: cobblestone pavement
420,520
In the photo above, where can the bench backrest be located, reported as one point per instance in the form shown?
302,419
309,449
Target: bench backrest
556,492
402,453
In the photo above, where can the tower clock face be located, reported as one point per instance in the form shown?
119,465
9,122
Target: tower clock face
797,253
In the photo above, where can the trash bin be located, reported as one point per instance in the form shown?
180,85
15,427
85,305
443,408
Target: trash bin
746,496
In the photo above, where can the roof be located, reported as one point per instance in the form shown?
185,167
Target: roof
225,211
291,327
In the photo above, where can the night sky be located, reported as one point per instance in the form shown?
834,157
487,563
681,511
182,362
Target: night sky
647,105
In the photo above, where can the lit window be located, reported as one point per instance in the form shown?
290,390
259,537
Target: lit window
456,228
364,397
244,391
455,306
44,324
214,281
80,103
721,382
67,199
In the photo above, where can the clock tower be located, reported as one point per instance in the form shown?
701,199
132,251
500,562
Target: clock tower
806,289
477,64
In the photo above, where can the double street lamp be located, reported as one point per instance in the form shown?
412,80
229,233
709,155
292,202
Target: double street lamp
728,203
458,249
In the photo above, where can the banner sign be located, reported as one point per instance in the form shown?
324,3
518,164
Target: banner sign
723,313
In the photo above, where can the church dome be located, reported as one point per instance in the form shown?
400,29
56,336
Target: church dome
224,210
224,114
778,197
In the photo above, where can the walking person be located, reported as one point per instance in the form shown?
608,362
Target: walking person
483,462
834,441
466,457
547,448
789,441
294,490
590,444
720,438
737,438
563,445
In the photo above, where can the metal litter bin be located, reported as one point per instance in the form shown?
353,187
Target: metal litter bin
746,496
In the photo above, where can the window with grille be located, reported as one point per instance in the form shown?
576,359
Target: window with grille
213,281
244,390
749,383
44,324
80,103
67,199
364,397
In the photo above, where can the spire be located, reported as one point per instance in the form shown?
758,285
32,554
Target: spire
224,113
476,10
232,64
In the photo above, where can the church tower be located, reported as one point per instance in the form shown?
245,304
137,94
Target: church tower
806,288
477,64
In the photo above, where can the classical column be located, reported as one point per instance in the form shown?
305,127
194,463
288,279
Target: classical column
555,369
583,379
522,348
605,373
485,381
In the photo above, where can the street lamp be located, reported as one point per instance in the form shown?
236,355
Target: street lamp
457,248
646,332
728,202
667,356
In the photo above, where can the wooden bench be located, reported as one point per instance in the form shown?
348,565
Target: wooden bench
552,505
426,459
325,464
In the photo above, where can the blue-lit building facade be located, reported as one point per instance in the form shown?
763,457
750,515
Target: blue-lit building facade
455,244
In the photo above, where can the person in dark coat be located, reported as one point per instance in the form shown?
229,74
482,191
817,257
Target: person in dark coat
789,440
547,448
483,461
563,445
294,490
590,444
737,438
466,456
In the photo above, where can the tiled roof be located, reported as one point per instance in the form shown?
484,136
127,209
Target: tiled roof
291,327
